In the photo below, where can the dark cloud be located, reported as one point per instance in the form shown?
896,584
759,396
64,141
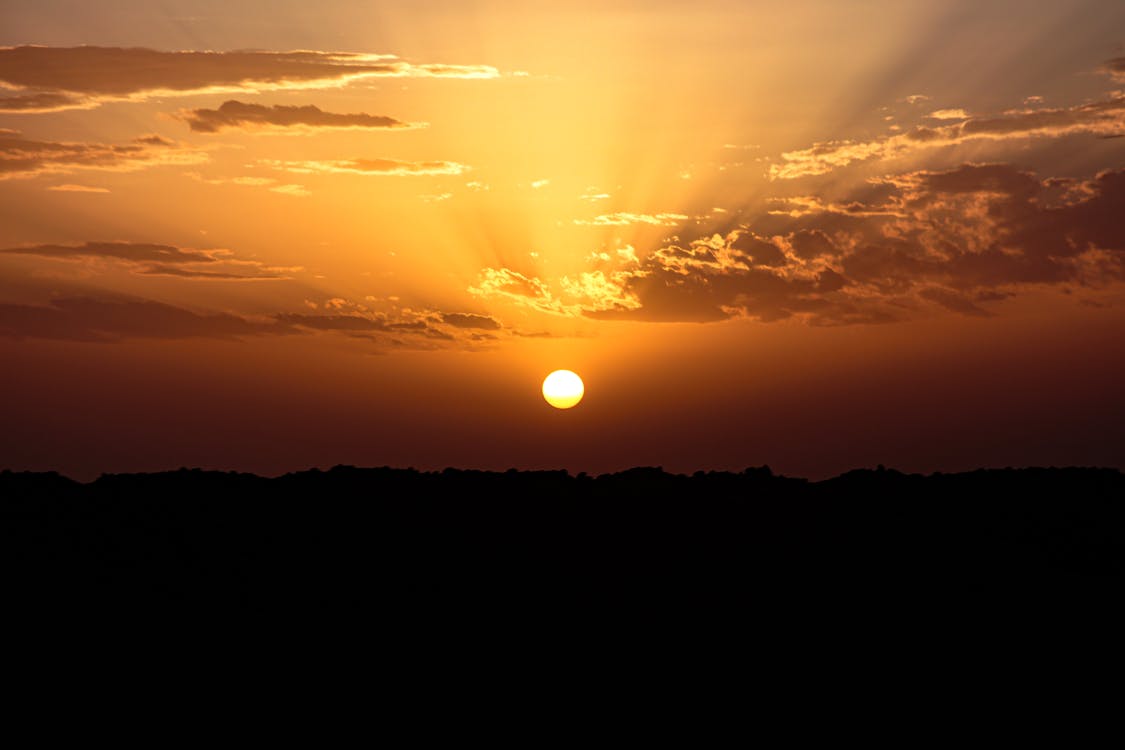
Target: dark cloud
21,157
129,251
235,114
811,243
470,320
99,320
154,140
160,269
954,301
761,252
1115,68
40,102
94,74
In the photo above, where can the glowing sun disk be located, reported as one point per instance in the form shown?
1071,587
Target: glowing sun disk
563,389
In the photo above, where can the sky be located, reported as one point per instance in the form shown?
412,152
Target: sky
271,236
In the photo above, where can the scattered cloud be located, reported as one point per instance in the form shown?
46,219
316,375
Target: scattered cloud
48,79
1104,118
282,118
539,184
368,167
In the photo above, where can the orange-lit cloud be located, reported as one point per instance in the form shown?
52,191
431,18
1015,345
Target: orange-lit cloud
368,167
23,158
281,118
56,78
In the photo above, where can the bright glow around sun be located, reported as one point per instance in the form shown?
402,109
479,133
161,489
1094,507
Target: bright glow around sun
563,389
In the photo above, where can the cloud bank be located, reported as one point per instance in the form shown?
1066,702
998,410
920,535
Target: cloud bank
960,240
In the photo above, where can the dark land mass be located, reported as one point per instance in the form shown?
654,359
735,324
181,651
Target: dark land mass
362,539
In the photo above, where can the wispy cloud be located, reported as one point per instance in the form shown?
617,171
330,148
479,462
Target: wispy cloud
269,183
623,218
69,188
24,158
148,259
368,167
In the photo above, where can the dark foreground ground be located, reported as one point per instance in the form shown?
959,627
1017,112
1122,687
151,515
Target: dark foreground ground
359,540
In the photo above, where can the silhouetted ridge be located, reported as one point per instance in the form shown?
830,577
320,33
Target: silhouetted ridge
373,537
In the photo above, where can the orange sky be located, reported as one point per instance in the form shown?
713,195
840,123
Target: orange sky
271,235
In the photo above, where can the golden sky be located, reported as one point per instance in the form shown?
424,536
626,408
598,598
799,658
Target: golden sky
819,235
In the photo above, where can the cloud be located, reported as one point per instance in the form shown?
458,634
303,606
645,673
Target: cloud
1115,68
102,320
960,240
527,291
41,102
23,158
375,326
82,317
57,78
368,167
297,191
269,183
624,219
163,269
149,259
281,118
333,322
470,320
1103,118
949,114
69,188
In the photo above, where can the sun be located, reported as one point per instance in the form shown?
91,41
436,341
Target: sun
563,389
